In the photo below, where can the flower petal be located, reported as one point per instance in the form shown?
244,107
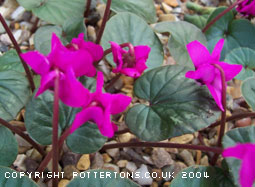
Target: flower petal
117,53
198,53
205,73
106,128
72,92
100,82
247,171
217,50
38,62
131,72
47,81
237,151
142,52
230,70
119,103
91,113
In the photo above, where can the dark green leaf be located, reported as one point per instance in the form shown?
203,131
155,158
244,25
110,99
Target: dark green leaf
198,20
14,93
144,8
202,176
176,105
248,91
231,138
237,33
127,27
10,61
182,33
55,11
12,178
8,147
245,57
97,178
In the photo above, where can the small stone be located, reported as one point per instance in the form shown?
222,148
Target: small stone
5,39
20,162
167,8
111,167
18,13
63,183
26,25
69,170
97,161
148,159
187,157
166,184
172,3
156,174
131,166
122,163
70,158
167,17
91,33
113,152
84,162
22,142
2,30
161,157
204,161
34,154
178,166
31,40
100,9
23,150
154,184
143,178
243,122
27,16
184,139
126,137
106,158
49,166
48,148
31,165
17,35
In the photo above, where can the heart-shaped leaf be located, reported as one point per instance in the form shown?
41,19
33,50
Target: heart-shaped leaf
10,61
176,105
55,11
14,89
237,33
202,176
9,177
99,178
144,8
245,57
231,138
248,91
182,33
127,27
8,147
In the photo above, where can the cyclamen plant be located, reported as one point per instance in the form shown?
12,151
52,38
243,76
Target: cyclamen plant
78,101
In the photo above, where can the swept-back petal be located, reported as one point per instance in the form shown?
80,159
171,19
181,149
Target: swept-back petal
100,82
230,70
131,72
38,62
142,52
205,73
91,113
72,92
117,53
47,81
106,128
217,50
237,151
198,53
119,103
247,171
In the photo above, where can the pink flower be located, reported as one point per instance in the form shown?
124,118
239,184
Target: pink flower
70,62
206,73
100,107
247,7
244,152
131,62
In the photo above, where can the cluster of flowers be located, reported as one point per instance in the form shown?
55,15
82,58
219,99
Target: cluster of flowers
75,60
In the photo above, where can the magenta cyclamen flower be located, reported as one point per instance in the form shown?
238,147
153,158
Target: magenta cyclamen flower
247,8
131,62
100,107
69,62
244,152
206,73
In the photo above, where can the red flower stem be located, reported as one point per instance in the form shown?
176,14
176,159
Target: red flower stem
46,160
17,48
221,14
55,129
164,145
23,135
105,18
35,26
223,113
112,82
86,13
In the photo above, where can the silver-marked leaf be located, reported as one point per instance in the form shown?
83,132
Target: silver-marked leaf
248,91
176,105
181,33
127,27
10,61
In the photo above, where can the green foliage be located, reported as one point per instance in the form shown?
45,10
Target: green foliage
248,91
10,61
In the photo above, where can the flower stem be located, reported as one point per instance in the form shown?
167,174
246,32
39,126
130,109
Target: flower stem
23,135
105,18
221,14
17,48
164,145
35,26
46,160
55,129
86,13
223,113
